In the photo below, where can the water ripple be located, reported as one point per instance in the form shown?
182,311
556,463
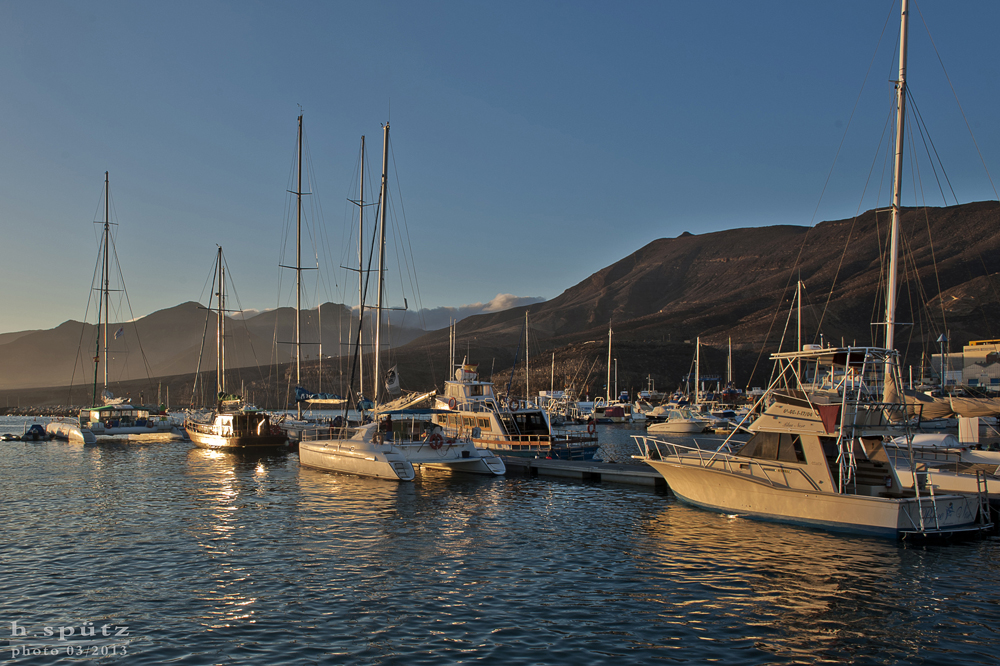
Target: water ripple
208,557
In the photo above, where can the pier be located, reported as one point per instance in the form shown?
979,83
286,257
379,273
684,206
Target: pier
586,470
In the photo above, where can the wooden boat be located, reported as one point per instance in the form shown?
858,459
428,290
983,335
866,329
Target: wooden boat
232,425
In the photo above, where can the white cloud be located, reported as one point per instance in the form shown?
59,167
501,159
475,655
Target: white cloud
436,318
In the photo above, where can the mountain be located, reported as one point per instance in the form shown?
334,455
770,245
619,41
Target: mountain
169,342
737,284
740,283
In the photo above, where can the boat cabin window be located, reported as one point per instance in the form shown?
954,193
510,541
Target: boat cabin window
476,389
531,423
774,446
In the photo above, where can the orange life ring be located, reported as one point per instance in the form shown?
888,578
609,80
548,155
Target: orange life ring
436,440
452,403
591,428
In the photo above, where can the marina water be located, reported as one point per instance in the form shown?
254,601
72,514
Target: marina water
207,557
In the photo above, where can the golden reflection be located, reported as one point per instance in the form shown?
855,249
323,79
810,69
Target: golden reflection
802,581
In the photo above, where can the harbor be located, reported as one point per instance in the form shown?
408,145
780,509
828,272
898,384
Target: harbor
209,556
544,335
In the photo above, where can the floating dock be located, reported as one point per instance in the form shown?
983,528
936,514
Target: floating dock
588,470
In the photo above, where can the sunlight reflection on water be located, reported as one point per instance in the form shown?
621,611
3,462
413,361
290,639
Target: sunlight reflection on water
212,557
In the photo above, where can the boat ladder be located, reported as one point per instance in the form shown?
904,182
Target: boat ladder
982,490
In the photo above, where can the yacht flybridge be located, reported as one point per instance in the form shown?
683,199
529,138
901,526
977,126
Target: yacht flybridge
469,408
816,455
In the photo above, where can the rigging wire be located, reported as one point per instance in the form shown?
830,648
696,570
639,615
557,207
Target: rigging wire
822,192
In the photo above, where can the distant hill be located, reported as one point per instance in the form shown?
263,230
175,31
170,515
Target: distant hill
740,283
737,284
169,342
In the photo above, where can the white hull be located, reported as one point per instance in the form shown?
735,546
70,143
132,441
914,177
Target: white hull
676,427
70,432
350,456
889,517
457,457
134,431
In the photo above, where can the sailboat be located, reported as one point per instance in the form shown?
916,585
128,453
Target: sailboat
111,416
232,424
816,455
380,448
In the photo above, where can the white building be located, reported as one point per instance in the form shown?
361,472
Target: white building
977,365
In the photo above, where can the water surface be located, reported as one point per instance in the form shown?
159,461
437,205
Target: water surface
210,557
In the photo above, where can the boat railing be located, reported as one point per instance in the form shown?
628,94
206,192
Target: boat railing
924,454
573,436
650,449
516,439
327,432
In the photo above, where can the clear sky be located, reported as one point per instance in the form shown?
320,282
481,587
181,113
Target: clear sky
534,142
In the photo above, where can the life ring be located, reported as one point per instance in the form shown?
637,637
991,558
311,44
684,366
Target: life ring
514,405
150,424
452,403
436,440
591,428
377,437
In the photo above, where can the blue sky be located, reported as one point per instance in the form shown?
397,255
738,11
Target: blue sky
534,142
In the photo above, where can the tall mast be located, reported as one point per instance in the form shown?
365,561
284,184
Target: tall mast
527,389
381,258
107,264
798,321
607,393
552,375
220,332
361,260
697,369
298,276
897,181
729,363
798,316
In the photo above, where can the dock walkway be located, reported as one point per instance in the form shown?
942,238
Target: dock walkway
588,470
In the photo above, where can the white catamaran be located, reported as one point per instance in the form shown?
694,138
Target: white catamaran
110,416
398,440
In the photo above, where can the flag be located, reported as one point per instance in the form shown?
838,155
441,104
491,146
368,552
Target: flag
392,382
120,332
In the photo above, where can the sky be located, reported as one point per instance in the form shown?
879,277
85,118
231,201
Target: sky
532,143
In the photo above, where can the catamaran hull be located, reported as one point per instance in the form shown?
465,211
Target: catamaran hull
466,459
165,429
70,432
357,458
859,514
